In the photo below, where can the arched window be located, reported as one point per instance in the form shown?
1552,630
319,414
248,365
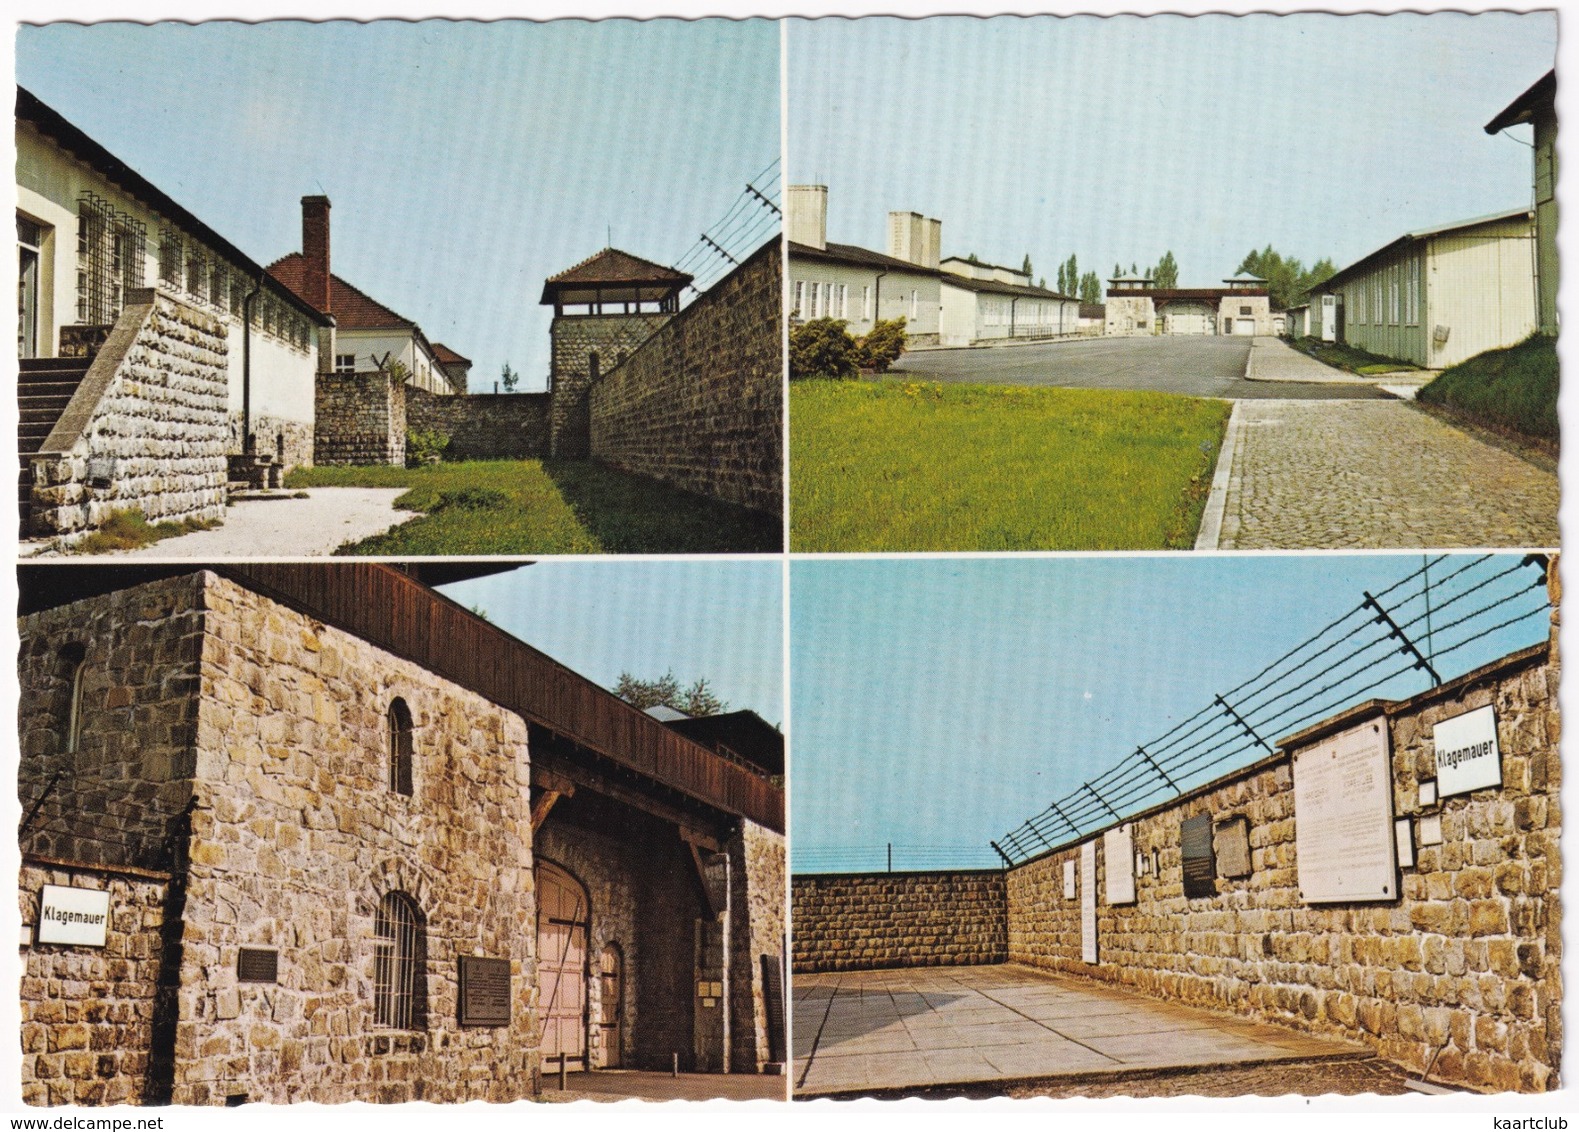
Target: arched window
400,978
73,670
400,747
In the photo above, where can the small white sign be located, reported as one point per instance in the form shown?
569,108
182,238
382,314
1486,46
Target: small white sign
1467,757
1069,880
1431,829
1428,793
1404,834
78,916
1118,850
1088,902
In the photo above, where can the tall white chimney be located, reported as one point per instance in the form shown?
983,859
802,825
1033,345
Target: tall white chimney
808,216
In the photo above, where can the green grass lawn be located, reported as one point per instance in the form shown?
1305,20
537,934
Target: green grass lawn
1351,358
546,507
1515,388
906,465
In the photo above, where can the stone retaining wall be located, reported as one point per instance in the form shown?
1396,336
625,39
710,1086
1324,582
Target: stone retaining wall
484,426
758,860
148,429
360,419
1461,975
701,404
87,1012
866,921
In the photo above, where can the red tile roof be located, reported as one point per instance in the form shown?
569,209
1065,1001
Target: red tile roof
614,266
352,309
446,356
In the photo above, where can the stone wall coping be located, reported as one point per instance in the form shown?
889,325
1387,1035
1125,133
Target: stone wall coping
40,861
1526,657
72,423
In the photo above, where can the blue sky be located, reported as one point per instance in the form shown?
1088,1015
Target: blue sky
466,162
1121,138
718,619
940,702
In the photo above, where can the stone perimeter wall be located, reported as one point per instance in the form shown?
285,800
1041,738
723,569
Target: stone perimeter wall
1461,975
484,426
360,419
758,898
149,427
87,1013
868,921
297,837
700,405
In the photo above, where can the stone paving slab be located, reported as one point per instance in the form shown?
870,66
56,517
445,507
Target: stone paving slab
645,1085
1376,475
1010,1022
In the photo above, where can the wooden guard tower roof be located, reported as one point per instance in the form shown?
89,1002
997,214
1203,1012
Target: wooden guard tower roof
613,276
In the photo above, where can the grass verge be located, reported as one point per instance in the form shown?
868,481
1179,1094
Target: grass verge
1513,389
1350,358
922,466
545,507
128,530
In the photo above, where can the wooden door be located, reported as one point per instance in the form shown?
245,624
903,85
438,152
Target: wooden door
563,918
611,977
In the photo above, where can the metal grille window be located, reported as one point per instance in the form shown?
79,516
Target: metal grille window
196,273
400,983
401,747
110,249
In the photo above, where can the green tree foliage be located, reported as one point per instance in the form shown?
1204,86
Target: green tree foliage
882,345
1026,266
1090,288
1068,276
822,348
509,378
1166,274
696,700
1288,281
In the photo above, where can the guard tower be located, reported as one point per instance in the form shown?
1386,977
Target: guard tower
604,307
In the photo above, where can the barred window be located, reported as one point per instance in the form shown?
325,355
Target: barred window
110,250
401,747
172,257
238,293
196,273
400,981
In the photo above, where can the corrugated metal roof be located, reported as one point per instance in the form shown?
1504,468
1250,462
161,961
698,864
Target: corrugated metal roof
1415,236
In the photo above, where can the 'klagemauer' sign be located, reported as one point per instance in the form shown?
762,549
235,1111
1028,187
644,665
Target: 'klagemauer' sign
1467,757
1343,817
78,916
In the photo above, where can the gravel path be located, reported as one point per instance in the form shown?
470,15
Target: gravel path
1373,475
285,527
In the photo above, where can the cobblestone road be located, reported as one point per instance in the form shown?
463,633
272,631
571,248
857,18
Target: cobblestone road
1376,474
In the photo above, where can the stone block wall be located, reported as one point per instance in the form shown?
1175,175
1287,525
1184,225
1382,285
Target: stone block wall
297,836
1462,974
701,404
576,338
148,429
868,921
113,799
758,873
291,442
360,419
484,426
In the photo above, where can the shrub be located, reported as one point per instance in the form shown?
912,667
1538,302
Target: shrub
822,348
882,345
424,445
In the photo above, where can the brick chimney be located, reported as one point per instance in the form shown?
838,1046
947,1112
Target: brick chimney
315,250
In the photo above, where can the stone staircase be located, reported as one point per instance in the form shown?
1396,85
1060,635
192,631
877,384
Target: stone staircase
44,389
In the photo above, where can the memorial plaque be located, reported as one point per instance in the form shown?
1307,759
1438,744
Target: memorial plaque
485,991
258,965
1231,844
1343,818
1200,871
1088,902
1069,880
1404,835
1427,793
1118,861
1431,829
1467,757
78,916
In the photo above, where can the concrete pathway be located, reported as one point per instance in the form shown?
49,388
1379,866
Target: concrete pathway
1273,359
1373,475
637,1084
281,527
868,1031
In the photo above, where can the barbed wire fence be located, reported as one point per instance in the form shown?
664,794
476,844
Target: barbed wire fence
1416,625
753,217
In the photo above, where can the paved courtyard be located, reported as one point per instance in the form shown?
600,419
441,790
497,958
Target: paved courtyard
871,1031
1207,366
646,1085
1375,475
